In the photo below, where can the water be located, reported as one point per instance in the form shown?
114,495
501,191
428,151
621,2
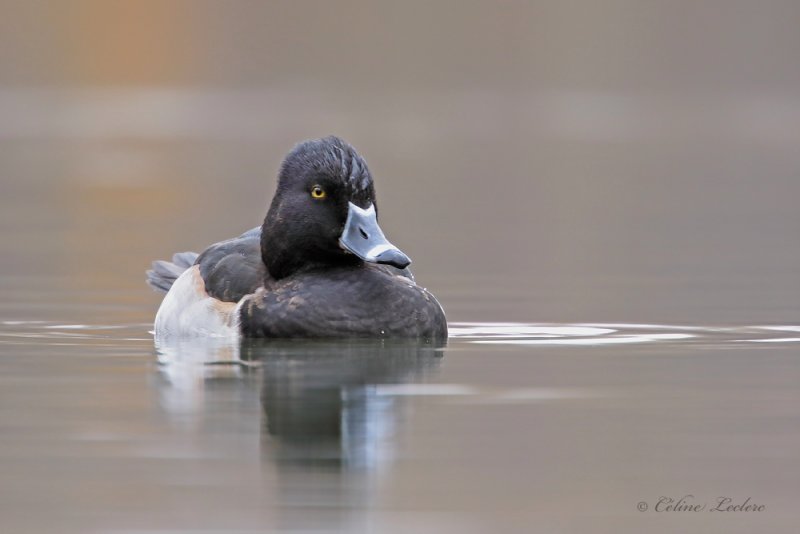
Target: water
603,197
510,425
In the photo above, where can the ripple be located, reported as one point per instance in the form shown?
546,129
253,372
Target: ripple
483,333
15,332
472,394
516,330
589,334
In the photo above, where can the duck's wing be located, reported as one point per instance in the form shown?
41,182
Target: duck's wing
233,268
230,269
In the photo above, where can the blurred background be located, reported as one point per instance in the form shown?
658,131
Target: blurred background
548,162
561,161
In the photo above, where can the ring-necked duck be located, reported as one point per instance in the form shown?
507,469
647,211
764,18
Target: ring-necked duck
319,265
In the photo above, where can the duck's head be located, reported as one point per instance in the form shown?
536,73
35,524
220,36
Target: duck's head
324,212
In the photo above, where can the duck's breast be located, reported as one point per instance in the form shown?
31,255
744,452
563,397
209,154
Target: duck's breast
365,301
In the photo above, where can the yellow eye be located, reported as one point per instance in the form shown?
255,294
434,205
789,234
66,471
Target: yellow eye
317,192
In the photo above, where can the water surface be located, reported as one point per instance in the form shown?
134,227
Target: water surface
510,425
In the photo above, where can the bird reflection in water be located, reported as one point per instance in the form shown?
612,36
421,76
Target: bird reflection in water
327,422
323,402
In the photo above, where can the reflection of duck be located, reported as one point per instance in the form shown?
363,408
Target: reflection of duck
318,267
197,375
326,424
322,401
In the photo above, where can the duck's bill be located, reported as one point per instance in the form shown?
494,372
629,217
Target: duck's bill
363,237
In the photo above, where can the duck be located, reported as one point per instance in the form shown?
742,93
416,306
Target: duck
319,266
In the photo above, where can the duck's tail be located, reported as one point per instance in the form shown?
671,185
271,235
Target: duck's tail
164,273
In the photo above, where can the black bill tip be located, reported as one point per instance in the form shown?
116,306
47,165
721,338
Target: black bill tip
393,257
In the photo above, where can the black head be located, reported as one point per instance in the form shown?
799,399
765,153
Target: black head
324,188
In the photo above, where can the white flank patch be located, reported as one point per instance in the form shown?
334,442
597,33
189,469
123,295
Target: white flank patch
188,311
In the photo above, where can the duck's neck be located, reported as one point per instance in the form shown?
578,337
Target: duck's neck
283,257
